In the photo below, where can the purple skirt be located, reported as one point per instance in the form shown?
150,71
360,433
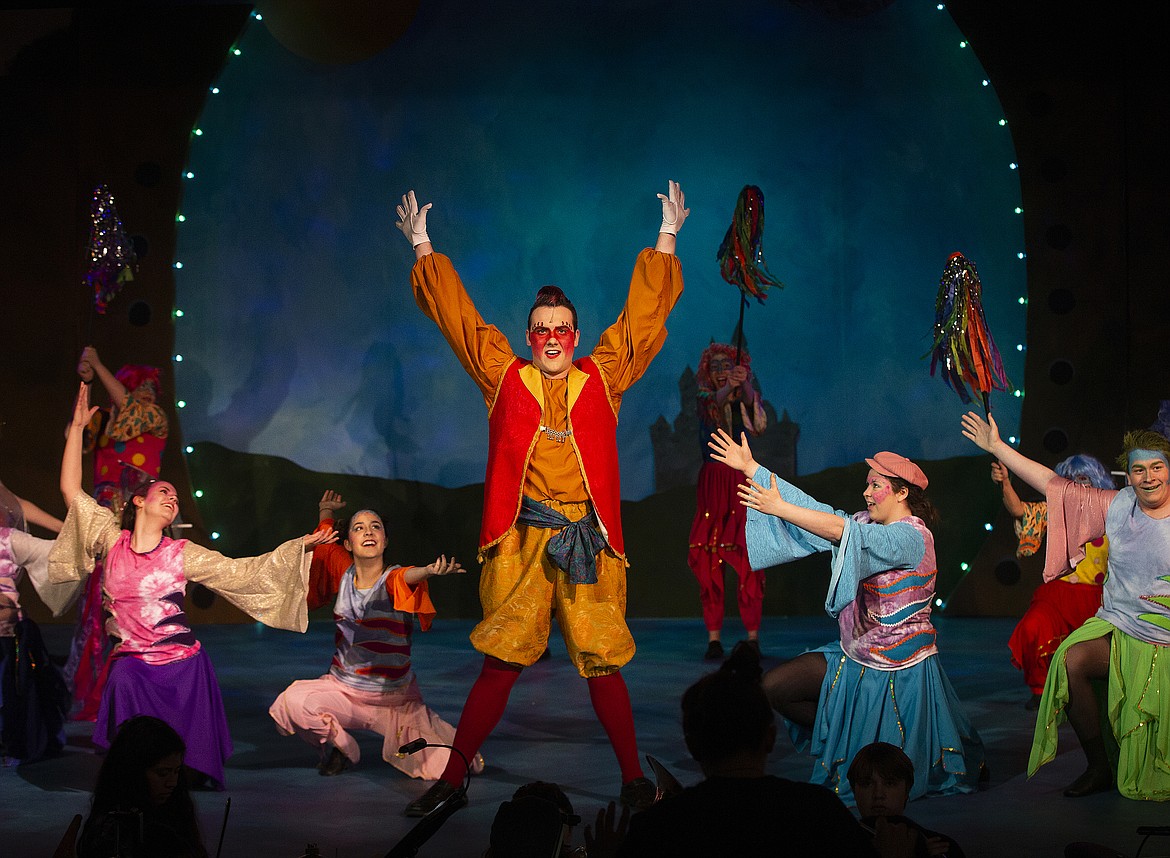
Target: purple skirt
184,693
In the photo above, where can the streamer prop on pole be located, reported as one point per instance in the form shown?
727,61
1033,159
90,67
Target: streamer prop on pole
111,253
963,349
741,255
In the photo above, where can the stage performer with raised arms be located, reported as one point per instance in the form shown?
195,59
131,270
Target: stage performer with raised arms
159,667
551,537
1125,643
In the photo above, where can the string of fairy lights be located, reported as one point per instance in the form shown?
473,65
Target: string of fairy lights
180,218
1021,255
188,175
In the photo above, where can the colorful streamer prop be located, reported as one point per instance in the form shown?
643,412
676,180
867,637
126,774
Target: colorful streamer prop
963,346
741,255
111,253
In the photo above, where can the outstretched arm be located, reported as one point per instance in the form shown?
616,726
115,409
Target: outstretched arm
826,525
33,514
115,388
984,434
674,212
441,566
71,460
1011,500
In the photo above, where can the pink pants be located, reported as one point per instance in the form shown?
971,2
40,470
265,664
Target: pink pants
323,711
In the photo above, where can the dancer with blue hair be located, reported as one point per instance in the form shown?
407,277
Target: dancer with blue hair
1063,604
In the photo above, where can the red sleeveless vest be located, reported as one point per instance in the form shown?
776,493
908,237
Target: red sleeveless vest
513,424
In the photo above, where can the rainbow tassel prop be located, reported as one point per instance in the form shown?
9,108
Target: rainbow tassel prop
111,253
963,346
741,255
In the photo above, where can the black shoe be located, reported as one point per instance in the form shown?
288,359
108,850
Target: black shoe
1093,779
714,650
438,795
754,643
1033,703
638,794
334,764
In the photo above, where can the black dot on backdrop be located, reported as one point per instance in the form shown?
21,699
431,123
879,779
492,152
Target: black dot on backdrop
1058,236
1055,441
1053,169
1007,572
1039,103
148,174
1061,301
1061,372
139,314
141,246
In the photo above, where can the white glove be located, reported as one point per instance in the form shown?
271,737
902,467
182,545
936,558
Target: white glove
413,221
673,210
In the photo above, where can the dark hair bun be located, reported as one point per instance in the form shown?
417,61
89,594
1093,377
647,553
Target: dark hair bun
550,292
743,663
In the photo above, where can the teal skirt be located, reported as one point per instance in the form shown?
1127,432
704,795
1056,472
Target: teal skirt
913,708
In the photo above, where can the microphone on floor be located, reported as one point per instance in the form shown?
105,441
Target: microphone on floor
409,845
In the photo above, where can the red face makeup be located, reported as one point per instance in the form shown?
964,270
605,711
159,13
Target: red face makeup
563,334
552,337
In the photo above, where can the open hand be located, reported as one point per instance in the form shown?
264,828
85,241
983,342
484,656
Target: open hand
984,434
412,220
319,537
443,566
82,411
330,501
603,840
674,210
766,500
738,456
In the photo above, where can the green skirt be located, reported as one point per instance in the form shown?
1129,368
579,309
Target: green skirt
1138,710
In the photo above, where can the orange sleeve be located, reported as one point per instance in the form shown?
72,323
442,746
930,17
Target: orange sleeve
414,599
629,344
482,349
328,565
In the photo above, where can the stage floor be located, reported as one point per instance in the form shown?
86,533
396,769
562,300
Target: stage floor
279,803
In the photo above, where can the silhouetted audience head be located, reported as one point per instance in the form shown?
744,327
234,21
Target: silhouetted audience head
881,776
536,823
727,713
141,804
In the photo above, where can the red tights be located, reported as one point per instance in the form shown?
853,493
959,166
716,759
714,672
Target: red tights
489,696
